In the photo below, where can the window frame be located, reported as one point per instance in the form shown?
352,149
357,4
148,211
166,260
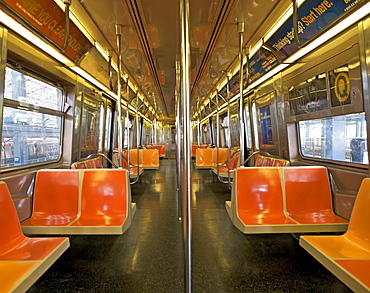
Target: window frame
27,107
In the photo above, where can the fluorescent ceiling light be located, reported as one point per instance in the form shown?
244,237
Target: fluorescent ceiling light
281,20
87,76
101,51
269,74
255,48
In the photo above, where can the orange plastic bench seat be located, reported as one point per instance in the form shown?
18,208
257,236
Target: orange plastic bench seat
195,147
134,171
347,256
148,158
56,203
263,161
22,259
161,149
283,200
88,164
308,197
259,205
100,202
359,268
207,158
104,202
223,171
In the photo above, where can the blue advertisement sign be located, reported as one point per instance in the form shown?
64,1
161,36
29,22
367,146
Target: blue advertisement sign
260,63
313,16
266,124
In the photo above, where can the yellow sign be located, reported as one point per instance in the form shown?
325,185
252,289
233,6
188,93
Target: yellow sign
342,88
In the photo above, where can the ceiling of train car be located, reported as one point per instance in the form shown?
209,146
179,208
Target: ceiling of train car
151,40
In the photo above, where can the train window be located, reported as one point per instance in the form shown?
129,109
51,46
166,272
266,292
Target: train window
90,119
108,126
247,126
308,96
323,138
255,125
32,120
101,128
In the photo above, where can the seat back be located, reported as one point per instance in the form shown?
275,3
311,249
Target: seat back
104,192
280,162
204,157
259,190
79,165
98,163
55,197
259,161
234,161
358,229
90,164
308,193
150,158
267,161
10,230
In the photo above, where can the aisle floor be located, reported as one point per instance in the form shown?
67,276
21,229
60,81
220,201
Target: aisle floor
148,257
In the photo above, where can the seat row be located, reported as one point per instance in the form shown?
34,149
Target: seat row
135,171
298,199
90,201
207,158
94,163
222,171
347,256
22,259
161,149
283,200
144,158
265,161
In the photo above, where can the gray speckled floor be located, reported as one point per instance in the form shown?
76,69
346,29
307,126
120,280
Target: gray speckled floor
148,257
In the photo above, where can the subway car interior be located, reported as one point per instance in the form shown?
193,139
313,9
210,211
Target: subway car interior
184,146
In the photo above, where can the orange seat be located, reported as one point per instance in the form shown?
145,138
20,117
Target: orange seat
267,161
347,256
134,171
147,158
26,259
105,202
223,171
90,164
204,158
14,275
263,161
79,165
280,162
98,163
259,203
308,197
55,200
92,201
259,161
207,158
193,150
283,200
162,150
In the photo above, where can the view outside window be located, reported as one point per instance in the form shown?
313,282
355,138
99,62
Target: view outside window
340,138
32,120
